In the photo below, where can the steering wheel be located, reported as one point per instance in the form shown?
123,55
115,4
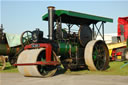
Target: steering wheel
26,38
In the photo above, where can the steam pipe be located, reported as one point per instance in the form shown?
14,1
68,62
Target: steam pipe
50,22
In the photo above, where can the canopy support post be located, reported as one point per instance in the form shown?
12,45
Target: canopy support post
98,31
93,32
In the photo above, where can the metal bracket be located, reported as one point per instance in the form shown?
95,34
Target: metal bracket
48,48
98,30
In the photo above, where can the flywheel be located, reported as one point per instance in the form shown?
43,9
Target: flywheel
96,55
84,34
33,56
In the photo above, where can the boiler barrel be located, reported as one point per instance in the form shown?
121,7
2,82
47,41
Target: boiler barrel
65,48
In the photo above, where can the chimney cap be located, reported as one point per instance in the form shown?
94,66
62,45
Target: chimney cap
50,7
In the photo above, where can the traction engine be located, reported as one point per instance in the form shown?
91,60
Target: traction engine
74,50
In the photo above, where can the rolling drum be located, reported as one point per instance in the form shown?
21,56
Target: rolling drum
96,55
32,56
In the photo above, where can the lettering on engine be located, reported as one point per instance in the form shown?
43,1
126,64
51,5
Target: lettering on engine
35,46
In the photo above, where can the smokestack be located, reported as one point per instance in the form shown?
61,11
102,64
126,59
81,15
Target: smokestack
50,22
1,27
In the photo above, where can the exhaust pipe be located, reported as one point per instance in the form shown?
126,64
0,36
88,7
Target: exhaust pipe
50,22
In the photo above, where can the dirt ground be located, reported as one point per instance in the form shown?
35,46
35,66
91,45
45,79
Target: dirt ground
63,79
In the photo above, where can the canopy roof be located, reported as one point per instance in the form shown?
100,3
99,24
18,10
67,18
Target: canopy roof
72,17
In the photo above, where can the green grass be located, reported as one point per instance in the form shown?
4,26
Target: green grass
113,70
9,69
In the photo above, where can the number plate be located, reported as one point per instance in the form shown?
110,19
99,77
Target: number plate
35,45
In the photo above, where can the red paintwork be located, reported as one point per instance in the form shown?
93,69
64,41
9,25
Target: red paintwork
39,63
113,54
123,21
48,48
118,53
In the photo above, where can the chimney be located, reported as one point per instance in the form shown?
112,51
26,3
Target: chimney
50,22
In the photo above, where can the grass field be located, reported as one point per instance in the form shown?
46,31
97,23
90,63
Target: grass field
9,68
113,70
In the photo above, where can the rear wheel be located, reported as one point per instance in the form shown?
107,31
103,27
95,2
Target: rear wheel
96,55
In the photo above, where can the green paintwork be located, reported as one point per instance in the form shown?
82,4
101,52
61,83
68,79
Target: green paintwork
77,18
73,49
4,50
94,55
42,59
65,48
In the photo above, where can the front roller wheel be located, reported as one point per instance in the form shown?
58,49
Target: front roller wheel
33,56
96,55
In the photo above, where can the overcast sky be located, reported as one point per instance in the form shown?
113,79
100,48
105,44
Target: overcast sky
22,15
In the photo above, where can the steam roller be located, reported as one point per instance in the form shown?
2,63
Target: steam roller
73,50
